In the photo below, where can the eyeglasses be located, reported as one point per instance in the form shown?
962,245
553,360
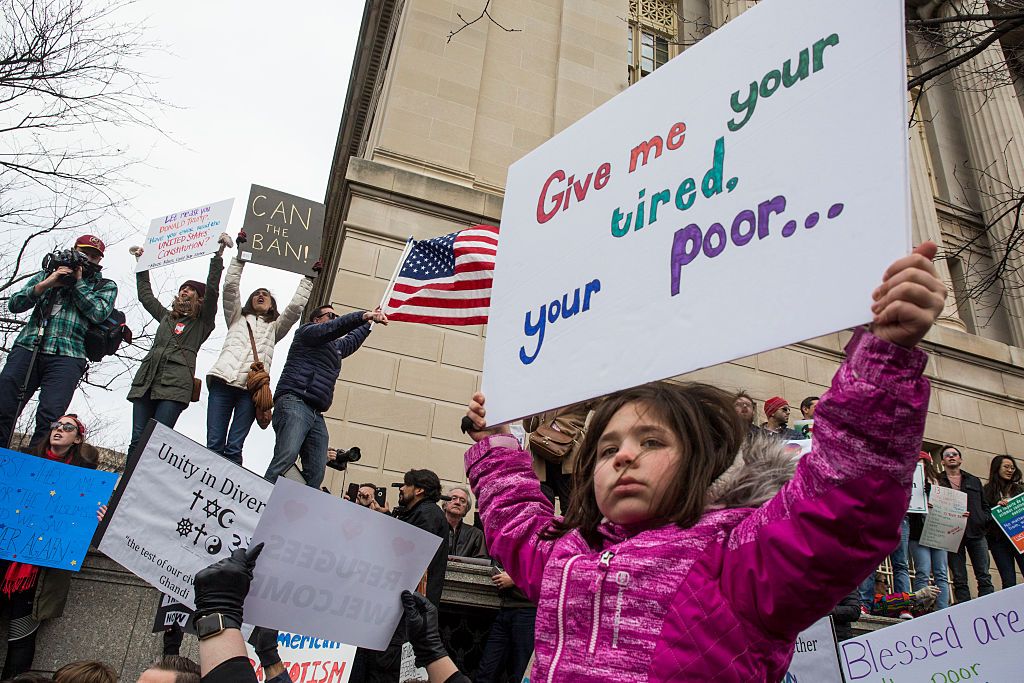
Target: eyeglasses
65,426
328,314
364,496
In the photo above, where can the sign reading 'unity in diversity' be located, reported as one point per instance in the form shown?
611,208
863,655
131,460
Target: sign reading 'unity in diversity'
181,508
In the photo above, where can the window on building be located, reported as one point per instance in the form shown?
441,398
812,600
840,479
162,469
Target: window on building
652,32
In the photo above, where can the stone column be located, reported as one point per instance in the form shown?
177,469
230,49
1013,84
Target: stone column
925,219
724,10
994,132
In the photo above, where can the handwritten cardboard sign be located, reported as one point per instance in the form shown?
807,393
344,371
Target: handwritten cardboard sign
1010,519
284,231
333,569
979,640
649,238
945,524
180,508
815,656
184,235
309,660
48,509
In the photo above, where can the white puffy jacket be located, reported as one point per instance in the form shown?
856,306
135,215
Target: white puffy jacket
232,365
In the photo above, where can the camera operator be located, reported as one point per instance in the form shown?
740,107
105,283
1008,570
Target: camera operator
49,352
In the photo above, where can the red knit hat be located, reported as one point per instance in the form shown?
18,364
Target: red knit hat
773,404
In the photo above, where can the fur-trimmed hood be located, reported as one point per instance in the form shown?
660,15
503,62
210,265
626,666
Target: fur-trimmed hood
762,466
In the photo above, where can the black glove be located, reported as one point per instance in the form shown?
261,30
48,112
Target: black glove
222,587
264,641
421,623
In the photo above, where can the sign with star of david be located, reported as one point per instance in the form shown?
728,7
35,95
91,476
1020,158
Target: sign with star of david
48,509
179,508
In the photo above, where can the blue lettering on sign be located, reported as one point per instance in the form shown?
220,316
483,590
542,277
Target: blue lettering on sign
550,313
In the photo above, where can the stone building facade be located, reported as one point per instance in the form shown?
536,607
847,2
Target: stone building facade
431,125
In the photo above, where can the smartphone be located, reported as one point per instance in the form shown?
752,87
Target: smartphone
353,490
381,496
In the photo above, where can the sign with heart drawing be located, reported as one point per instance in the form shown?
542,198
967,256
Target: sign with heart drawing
339,586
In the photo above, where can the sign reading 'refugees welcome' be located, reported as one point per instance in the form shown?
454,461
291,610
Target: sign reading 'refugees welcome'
726,179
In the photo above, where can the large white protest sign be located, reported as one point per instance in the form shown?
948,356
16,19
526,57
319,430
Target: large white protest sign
333,569
309,660
945,524
979,640
184,235
770,157
815,657
179,508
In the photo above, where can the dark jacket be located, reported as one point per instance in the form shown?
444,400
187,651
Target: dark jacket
845,613
466,541
977,506
995,533
429,517
314,359
169,368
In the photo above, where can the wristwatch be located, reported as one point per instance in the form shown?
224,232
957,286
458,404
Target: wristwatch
213,624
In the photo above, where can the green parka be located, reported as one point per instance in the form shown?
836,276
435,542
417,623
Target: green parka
168,369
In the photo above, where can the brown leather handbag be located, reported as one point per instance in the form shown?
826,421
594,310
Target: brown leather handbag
559,433
258,384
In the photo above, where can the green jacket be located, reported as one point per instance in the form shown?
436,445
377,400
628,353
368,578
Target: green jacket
168,369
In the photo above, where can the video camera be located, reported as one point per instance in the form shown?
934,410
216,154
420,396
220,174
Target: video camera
343,457
71,258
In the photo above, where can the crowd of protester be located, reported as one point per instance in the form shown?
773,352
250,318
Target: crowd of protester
653,485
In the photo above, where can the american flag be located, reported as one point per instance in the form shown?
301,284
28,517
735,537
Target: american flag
446,280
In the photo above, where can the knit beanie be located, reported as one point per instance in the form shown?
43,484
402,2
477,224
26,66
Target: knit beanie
773,404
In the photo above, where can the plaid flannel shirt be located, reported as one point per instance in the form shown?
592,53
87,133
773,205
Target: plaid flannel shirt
89,300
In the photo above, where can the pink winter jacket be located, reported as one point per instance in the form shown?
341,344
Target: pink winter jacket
725,599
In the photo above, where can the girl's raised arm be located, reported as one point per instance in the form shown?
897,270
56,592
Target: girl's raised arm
513,509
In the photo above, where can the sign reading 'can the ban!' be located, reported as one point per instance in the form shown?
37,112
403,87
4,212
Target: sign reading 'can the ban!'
284,231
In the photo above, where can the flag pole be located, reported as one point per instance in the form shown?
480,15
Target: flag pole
394,276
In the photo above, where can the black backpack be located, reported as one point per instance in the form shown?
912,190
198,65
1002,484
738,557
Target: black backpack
103,339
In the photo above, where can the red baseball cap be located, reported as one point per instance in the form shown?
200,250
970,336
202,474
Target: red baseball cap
90,242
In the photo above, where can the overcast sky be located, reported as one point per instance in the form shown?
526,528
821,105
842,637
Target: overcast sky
259,88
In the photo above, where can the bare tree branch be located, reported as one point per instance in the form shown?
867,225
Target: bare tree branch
485,12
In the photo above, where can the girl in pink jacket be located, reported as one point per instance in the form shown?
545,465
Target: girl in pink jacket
680,557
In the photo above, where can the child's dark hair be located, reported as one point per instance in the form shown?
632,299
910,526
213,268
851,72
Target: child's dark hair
272,313
710,433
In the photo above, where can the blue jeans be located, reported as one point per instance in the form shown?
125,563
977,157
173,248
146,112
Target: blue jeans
224,401
931,562
1005,555
55,377
978,550
145,408
509,646
301,432
900,569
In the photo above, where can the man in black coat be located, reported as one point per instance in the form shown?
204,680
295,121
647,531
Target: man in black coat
464,540
417,505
